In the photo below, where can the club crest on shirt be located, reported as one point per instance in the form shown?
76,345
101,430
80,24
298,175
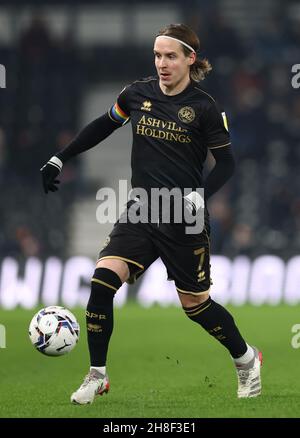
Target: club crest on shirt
146,105
186,114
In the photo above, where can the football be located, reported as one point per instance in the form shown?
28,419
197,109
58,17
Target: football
54,331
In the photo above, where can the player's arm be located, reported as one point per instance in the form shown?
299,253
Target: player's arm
218,142
95,132
219,175
221,172
215,130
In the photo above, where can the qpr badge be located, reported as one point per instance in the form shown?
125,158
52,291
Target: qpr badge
186,114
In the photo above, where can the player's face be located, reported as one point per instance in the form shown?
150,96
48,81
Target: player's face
173,67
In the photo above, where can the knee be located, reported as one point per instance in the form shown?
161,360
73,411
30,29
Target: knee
104,282
188,300
196,311
118,266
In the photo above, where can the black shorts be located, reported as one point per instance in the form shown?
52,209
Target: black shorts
186,257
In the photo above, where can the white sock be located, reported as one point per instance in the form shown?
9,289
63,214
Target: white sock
246,358
101,370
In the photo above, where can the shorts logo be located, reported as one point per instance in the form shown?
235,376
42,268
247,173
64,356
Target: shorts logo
146,105
201,276
106,242
186,114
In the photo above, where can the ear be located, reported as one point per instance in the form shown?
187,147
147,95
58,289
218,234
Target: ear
192,58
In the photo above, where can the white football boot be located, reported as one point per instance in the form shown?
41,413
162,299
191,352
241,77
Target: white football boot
94,384
249,381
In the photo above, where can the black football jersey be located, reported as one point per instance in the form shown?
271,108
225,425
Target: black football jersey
171,134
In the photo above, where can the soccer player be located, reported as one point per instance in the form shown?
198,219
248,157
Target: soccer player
174,124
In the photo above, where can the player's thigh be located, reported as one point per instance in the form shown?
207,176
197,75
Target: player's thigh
129,249
118,266
189,267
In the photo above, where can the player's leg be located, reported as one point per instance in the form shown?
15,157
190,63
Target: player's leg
108,277
126,256
215,319
190,268
219,323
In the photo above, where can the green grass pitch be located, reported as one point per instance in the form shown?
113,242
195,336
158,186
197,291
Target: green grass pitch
160,365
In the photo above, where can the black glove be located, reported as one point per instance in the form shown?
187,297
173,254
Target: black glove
49,173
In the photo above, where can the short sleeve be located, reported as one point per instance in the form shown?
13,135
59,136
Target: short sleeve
215,127
120,111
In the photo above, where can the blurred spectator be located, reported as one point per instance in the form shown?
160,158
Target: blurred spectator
240,242
44,119
35,42
27,243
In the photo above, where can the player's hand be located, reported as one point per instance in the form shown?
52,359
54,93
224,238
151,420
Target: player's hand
191,205
49,172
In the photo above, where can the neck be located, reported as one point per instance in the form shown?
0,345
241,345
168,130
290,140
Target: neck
175,89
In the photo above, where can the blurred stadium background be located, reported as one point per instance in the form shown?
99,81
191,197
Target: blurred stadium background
66,63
